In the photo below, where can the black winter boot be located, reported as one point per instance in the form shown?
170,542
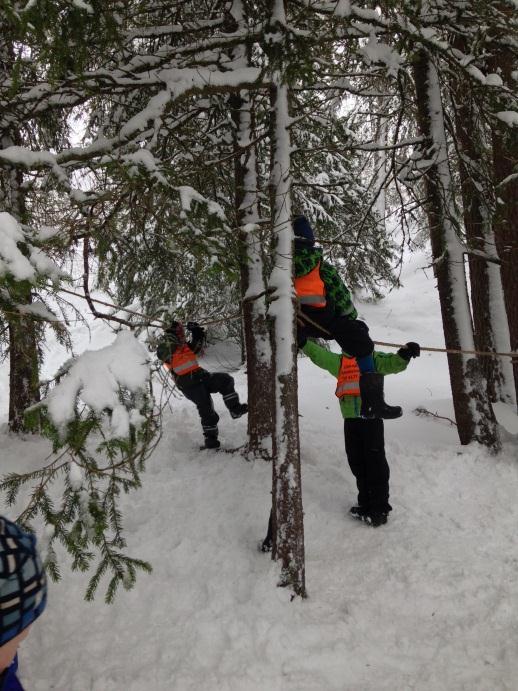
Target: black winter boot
238,410
211,442
373,402
372,518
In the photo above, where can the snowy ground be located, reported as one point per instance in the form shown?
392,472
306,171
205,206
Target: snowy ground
427,602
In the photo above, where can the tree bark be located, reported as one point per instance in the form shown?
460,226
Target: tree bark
491,332
23,347
288,526
255,324
473,412
505,162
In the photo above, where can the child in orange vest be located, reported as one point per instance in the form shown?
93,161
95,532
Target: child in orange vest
364,437
326,311
196,383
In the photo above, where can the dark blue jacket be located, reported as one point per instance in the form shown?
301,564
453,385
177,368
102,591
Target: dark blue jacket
10,681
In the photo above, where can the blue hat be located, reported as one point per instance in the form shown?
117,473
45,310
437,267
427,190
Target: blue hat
303,230
23,587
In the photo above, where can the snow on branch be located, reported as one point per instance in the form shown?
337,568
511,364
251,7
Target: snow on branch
509,117
176,84
377,52
188,195
96,378
23,266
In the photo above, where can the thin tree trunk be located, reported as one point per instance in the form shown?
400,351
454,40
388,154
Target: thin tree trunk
23,345
380,164
473,412
491,332
23,351
288,527
505,162
255,324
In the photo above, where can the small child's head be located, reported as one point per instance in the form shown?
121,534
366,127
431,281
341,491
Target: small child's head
23,588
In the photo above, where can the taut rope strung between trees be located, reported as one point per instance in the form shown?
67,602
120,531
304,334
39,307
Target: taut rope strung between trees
300,317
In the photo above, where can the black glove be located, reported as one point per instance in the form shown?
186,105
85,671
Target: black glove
301,339
409,351
192,325
165,350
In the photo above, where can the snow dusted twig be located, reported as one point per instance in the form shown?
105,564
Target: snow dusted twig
424,412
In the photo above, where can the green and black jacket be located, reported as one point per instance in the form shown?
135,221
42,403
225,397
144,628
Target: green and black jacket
305,260
385,363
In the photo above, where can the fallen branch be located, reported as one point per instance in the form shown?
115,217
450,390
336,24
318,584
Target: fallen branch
424,412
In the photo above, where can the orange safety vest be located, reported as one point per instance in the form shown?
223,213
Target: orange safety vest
348,378
183,361
310,289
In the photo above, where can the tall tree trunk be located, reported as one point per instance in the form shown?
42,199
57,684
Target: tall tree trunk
288,527
23,346
255,324
505,166
473,412
491,332
23,351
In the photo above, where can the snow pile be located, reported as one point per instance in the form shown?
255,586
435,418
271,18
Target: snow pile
96,377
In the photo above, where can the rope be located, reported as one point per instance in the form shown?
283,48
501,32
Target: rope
452,350
300,318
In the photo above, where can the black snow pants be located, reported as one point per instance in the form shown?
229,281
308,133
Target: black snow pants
365,449
198,387
352,335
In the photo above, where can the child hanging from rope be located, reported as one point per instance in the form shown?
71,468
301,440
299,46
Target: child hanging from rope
196,383
326,311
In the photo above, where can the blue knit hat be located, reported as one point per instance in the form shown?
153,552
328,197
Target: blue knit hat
23,587
303,231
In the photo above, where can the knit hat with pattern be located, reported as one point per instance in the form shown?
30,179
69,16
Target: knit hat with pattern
23,587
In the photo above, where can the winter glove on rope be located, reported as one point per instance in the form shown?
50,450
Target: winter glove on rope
409,351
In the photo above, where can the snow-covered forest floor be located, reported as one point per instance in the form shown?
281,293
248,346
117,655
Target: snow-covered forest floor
427,602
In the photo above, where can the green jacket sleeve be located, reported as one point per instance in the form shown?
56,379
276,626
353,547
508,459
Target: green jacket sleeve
337,291
389,363
323,358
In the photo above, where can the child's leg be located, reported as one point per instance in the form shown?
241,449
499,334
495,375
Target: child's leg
201,397
377,471
223,383
354,445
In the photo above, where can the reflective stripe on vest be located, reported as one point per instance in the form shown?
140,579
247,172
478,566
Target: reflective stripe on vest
183,361
310,288
348,378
